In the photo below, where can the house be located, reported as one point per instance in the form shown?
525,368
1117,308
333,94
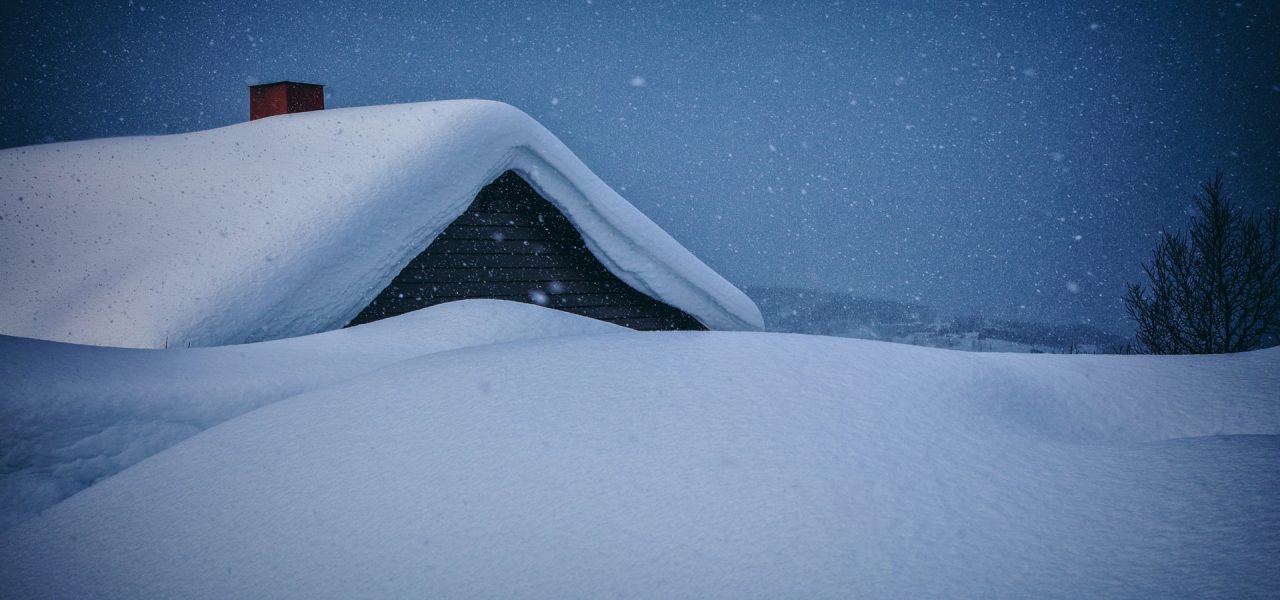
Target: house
512,244
308,222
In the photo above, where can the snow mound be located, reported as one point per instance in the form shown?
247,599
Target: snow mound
699,465
290,225
73,415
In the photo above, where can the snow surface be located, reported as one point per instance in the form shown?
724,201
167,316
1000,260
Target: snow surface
72,415
290,225
694,464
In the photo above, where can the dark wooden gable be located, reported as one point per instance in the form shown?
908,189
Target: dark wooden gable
512,244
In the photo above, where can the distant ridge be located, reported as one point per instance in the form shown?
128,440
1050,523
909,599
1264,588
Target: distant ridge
815,312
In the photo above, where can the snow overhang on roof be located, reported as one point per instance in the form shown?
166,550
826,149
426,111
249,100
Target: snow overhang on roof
290,226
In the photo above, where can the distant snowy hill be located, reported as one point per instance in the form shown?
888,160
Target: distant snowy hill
799,310
483,449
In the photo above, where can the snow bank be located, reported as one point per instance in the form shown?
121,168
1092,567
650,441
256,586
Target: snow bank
73,415
290,225
701,465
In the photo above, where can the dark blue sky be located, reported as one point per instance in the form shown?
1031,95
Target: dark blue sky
1009,159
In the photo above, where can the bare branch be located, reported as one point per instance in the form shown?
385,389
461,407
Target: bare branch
1215,288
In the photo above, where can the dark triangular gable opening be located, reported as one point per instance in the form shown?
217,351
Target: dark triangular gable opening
512,244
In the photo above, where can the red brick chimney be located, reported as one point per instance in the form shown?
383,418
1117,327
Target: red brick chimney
283,97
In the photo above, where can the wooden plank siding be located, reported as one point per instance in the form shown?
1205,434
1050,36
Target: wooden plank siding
512,244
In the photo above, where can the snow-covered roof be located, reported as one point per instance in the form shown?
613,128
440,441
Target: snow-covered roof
291,225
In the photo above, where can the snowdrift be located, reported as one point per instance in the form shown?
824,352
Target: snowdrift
290,225
72,415
700,464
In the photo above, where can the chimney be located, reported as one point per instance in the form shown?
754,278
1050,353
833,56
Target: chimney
284,97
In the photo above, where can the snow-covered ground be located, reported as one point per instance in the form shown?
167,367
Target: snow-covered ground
575,460
71,415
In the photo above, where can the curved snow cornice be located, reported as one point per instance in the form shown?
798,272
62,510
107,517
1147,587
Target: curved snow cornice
290,225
